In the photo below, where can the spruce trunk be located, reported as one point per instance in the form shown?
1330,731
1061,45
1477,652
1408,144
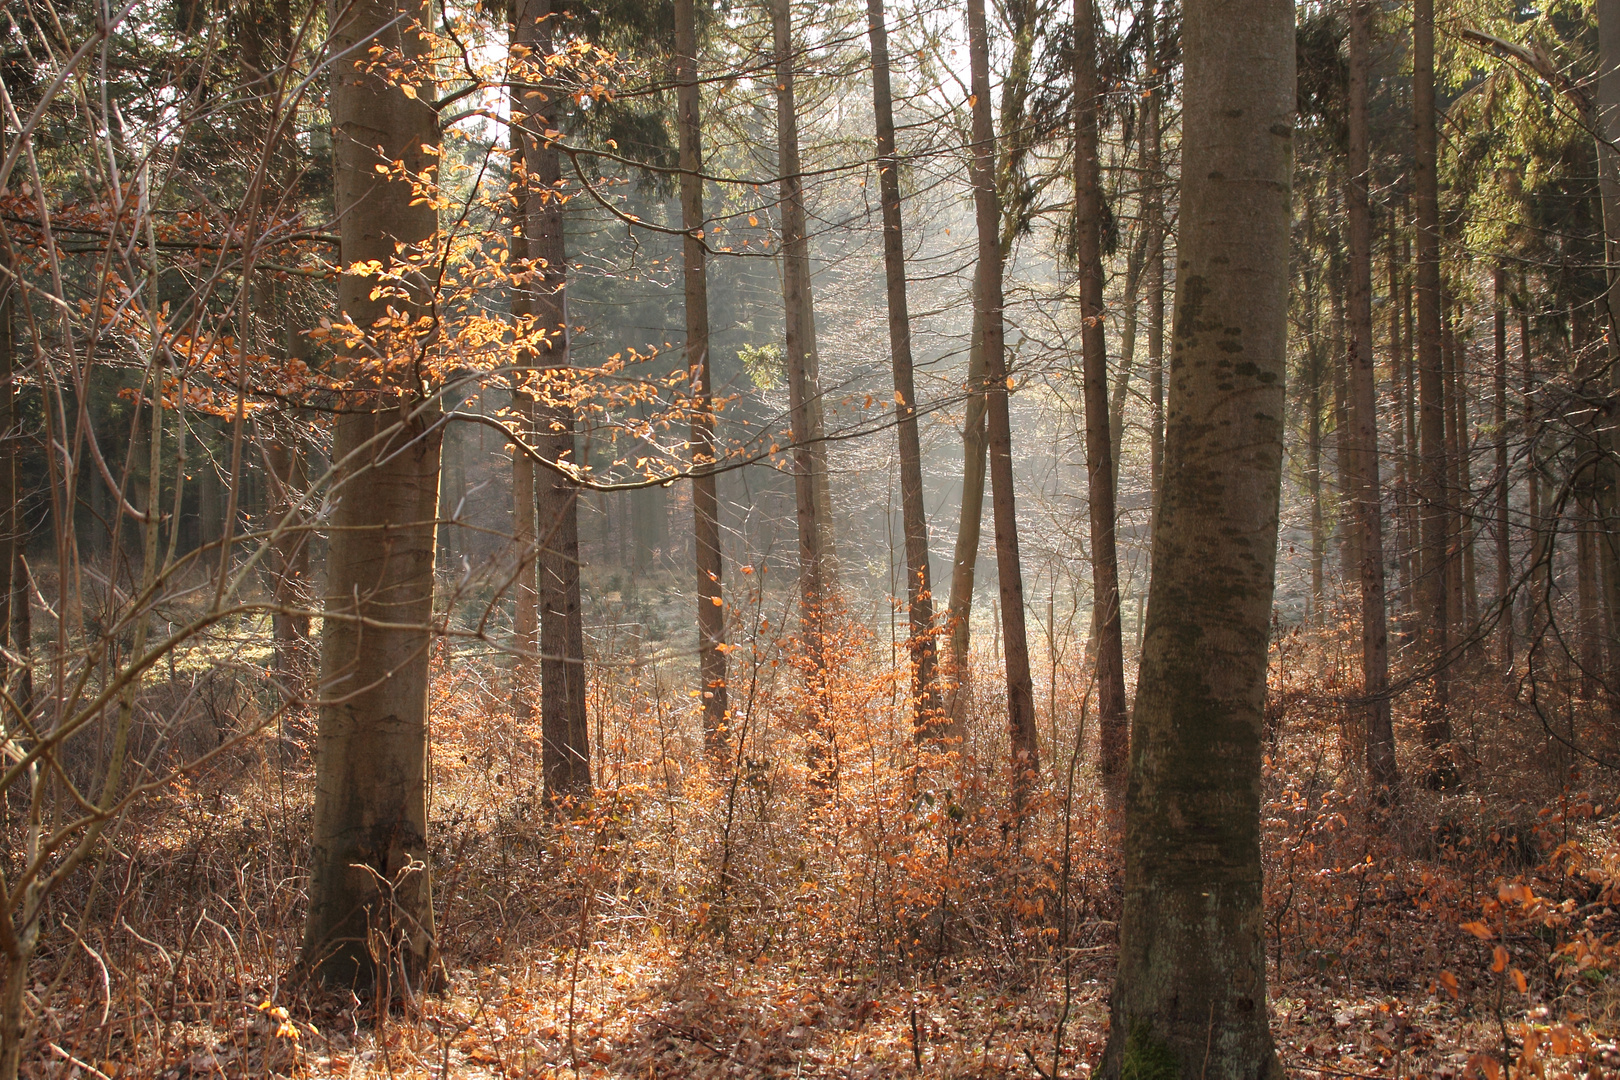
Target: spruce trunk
1363,386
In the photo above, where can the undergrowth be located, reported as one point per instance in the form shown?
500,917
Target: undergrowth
746,918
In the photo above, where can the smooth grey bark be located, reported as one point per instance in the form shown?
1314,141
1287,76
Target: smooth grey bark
1113,730
1189,997
1433,515
711,618
564,732
1024,746
1365,490
370,884
927,710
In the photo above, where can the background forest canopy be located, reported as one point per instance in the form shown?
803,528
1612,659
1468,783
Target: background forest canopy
516,509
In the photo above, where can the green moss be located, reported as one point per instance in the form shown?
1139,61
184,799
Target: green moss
1147,1058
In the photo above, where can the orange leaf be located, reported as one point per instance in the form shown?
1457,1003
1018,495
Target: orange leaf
1499,959
1449,981
1479,930
1520,981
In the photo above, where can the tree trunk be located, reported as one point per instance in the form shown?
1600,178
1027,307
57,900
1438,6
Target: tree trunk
289,562
1504,555
711,616
987,207
526,590
1365,491
804,397
1113,734
1344,515
1432,604
964,562
803,362
1153,182
565,751
1608,478
1189,996
370,887
1532,492
20,954
919,589
1466,529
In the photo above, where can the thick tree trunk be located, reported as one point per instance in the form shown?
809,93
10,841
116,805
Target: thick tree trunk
711,616
987,207
1434,516
370,888
1189,996
926,706
1109,647
565,736
1365,490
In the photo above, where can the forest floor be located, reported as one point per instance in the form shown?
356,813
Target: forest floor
726,922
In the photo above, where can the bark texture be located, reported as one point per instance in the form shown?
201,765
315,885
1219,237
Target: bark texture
370,889
1189,999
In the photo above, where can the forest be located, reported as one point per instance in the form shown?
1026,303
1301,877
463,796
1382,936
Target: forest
760,538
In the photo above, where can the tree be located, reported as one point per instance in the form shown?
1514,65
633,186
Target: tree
812,498
988,302
914,518
565,738
1365,491
1189,996
1434,513
711,618
370,887
1110,649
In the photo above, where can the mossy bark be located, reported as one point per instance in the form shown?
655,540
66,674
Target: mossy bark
1189,998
